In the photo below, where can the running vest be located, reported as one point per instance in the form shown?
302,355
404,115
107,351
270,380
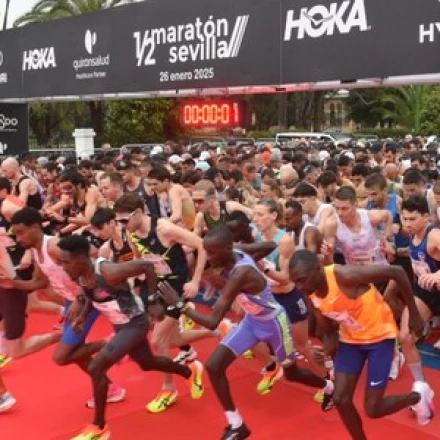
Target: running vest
261,304
317,217
123,254
119,304
301,244
364,320
272,260
169,262
151,202
422,263
34,200
59,280
359,248
210,222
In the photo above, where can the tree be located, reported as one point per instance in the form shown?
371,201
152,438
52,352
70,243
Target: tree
46,10
365,107
406,106
140,121
431,112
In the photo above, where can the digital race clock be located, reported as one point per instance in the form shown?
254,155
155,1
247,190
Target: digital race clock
212,114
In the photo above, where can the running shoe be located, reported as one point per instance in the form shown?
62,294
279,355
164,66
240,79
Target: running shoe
187,323
269,379
248,354
6,402
319,396
225,327
163,400
185,356
239,433
195,381
396,365
93,432
424,409
115,394
327,402
4,360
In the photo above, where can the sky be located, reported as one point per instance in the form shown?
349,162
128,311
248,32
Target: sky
17,8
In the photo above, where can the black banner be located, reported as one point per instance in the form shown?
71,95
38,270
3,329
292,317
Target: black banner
327,40
14,127
155,46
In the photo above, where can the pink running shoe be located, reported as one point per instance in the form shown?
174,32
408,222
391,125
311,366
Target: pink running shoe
115,394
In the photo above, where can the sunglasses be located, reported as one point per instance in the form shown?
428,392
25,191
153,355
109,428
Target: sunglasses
125,220
121,166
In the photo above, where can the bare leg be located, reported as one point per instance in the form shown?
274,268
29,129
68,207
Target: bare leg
18,348
409,347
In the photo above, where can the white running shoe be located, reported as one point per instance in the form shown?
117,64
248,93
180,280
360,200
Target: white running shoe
186,356
396,365
424,409
6,402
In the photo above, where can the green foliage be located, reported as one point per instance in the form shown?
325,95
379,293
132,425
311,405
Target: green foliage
405,106
431,112
46,10
384,133
140,121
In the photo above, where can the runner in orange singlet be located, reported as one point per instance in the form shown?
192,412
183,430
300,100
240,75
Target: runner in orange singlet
367,331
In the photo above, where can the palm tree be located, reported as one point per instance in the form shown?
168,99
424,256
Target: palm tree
405,106
47,10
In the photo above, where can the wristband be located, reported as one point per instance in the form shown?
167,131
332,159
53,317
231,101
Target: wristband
152,299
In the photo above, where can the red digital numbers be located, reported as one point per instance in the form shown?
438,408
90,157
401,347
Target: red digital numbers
211,114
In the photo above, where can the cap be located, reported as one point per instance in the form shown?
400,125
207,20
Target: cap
123,165
204,155
202,165
175,159
156,150
42,160
323,154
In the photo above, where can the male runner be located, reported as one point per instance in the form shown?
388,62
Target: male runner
105,286
72,348
265,321
424,249
367,332
161,242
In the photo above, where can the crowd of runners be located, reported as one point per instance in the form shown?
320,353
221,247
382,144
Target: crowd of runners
326,254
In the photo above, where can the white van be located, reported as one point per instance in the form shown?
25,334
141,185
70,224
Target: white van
284,138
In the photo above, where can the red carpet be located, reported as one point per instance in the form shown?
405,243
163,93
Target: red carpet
51,404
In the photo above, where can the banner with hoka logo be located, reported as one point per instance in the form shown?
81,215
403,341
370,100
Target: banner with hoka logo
159,46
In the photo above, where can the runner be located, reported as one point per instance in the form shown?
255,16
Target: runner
72,349
265,321
367,332
105,286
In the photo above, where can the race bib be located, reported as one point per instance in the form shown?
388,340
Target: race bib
345,319
113,312
361,257
249,306
420,268
160,265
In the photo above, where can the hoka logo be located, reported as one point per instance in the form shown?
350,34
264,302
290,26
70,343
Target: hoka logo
321,20
39,59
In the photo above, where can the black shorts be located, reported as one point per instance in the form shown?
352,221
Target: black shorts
295,305
13,305
431,299
129,339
